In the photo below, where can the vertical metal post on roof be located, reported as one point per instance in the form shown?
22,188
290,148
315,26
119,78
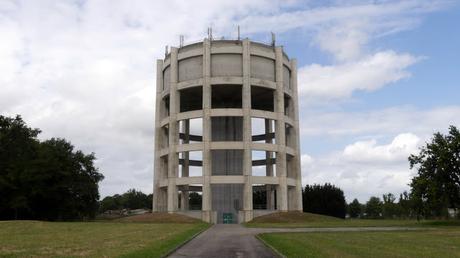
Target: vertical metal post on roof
238,32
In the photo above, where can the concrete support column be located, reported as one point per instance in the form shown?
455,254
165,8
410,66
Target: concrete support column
247,132
185,155
297,157
269,171
281,195
186,164
157,164
268,154
206,202
173,160
184,200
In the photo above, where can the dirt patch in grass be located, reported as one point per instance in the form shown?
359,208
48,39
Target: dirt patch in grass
294,217
159,217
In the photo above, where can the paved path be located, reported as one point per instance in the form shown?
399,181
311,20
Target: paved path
224,240
233,240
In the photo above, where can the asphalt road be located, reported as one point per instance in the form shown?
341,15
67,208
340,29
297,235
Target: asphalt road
225,240
233,240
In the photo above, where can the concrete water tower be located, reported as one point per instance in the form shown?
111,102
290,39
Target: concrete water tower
227,131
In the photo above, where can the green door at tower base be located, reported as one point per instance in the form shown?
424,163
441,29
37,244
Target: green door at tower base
228,218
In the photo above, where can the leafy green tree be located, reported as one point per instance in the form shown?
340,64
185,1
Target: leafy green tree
436,186
374,208
150,201
354,209
405,205
111,203
389,207
18,148
44,180
259,199
195,201
324,199
133,199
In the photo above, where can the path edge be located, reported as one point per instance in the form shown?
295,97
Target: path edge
269,246
185,242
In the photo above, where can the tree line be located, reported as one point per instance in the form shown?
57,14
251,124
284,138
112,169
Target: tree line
46,180
132,199
51,180
388,207
434,189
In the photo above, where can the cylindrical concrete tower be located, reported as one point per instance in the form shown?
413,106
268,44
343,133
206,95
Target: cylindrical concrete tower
227,132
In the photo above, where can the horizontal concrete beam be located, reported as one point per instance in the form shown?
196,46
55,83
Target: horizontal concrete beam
193,163
261,137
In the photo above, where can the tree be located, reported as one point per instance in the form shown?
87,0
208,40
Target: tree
324,199
405,205
44,180
131,199
195,201
374,208
18,147
354,209
259,199
389,207
436,186
111,203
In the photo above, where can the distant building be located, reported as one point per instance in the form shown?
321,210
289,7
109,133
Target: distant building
227,127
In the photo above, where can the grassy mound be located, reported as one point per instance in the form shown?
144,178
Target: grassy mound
294,217
159,217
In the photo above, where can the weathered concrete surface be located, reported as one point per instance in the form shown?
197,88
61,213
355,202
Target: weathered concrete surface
225,240
233,240
201,67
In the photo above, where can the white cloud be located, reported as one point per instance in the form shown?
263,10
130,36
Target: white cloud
339,81
84,70
365,169
367,151
343,28
306,160
373,161
344,41
422,122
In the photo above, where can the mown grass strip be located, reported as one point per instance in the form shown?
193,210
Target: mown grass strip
91,239
441,242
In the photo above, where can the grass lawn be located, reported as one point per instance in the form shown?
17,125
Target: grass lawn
443,242
101,239
302,220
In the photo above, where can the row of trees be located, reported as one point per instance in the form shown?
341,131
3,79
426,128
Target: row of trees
434,189
132,199
387,207
47,180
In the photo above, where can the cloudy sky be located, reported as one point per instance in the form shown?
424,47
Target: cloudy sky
376,78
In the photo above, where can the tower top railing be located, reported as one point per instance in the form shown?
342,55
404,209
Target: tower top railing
210,37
